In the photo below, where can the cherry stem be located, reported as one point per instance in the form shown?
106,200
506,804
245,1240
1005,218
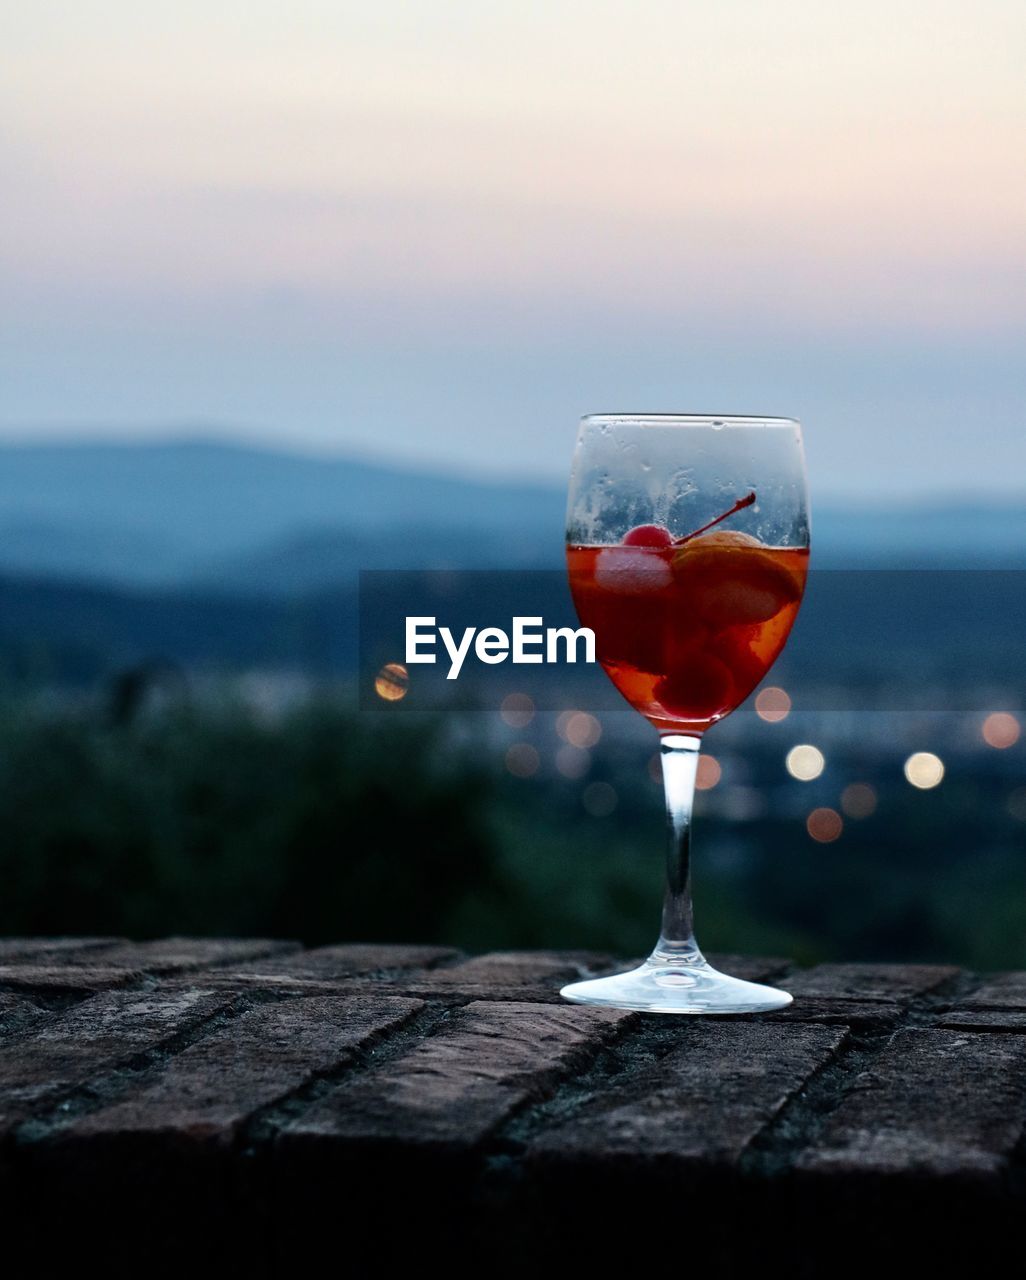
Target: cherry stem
738,506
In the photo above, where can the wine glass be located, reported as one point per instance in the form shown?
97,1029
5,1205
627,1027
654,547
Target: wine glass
687,550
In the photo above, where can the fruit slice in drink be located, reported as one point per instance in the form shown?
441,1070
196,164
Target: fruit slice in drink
687,629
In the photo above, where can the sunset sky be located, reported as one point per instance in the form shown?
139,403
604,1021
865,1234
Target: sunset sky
439,232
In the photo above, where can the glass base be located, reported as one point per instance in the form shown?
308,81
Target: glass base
665,986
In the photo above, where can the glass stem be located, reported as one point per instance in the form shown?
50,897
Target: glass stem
679,755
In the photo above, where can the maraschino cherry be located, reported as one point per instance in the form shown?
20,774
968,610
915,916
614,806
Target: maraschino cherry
648,535
655,535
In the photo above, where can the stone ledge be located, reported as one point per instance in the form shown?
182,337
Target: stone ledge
239,1099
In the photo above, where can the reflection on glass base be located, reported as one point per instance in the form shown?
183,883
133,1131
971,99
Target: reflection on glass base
672,987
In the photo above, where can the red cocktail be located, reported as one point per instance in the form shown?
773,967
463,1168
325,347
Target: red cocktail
689,612
687,630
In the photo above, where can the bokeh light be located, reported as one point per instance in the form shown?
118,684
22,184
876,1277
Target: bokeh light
578,728
517,709
824,825
924,770
773,704
858,800
392,683
805,762
522,760
573,762
1000,729
709,773
599,799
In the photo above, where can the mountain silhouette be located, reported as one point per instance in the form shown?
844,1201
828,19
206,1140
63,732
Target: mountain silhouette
235,518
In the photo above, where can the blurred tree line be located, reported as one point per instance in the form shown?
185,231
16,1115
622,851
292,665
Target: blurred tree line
323,824
315,825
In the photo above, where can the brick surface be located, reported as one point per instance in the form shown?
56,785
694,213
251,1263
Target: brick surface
247,1107
15,949
73,1049
337,963
869,981
984,1019
65,979
512,975
1002,991
182,955
703,1102
865,997
861,1015
933,1103
207,1091
458,1085
750,968
17,1011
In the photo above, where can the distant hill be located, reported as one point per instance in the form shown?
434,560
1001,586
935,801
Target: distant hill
236,519
318,558
94,552
172,513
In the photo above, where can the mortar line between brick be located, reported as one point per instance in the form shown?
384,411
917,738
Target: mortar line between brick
500,1145
789,1131
608,1061
99,1090
655,1038
268,1125
264,1126
944,998
798,1121
282,948
796,1125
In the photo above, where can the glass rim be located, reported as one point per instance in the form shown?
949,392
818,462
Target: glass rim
768,420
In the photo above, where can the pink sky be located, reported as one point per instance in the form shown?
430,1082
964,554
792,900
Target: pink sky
305,220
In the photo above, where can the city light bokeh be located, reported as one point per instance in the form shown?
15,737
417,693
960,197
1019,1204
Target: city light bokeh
805,762
924,770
